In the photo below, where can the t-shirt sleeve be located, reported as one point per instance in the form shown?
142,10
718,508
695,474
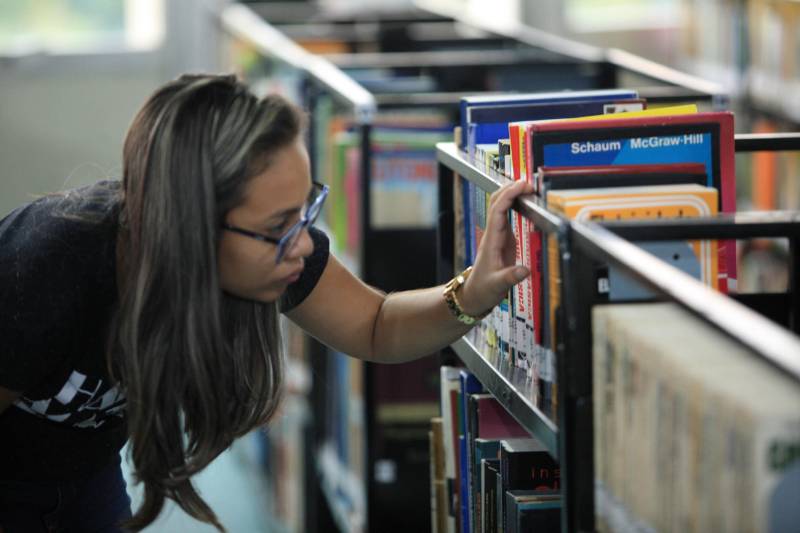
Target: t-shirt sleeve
315,265
39,293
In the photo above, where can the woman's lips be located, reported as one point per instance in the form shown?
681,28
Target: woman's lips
293,277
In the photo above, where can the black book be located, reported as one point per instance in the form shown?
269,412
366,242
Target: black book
525,464
533,511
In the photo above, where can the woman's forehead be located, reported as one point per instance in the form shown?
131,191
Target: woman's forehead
284,184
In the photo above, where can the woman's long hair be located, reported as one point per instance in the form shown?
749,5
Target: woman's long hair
199,366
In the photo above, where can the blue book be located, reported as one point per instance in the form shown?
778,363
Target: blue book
469,385
470,103
463,502
343,407
489,124
470,218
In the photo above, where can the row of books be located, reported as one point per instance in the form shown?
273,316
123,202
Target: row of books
344,403
692,432
625,162
714,41
774,70
770,178
767,182
403,186
750,47
281,444
487,473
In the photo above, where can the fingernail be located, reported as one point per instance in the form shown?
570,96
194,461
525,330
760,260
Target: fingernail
521,273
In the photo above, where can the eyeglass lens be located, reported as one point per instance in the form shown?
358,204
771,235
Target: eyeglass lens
310,216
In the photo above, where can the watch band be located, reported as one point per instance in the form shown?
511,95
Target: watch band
452,300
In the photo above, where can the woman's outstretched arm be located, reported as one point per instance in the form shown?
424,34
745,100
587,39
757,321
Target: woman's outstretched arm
348,315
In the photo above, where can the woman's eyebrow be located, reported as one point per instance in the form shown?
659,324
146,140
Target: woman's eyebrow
282,214
286,212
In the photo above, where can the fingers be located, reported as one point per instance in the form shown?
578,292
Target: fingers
503,198
513,275
502,280
485,290
497,217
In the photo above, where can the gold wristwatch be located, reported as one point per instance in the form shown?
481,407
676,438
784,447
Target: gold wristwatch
452,301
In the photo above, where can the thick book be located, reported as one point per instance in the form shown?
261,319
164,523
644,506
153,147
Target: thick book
470,104
487,423
533,512
705,438
525,464
490,420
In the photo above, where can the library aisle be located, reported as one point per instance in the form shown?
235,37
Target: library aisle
230,485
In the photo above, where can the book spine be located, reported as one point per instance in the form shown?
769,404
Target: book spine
513,134
463,501
473,404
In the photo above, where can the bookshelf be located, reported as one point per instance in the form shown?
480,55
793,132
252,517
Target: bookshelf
390,42
334,497
581,244
514,392
751,48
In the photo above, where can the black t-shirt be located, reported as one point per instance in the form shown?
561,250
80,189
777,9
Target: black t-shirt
58,293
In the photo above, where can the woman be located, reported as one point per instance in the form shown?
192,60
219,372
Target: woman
148,310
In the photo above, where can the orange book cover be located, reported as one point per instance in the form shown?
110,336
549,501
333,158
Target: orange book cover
662,201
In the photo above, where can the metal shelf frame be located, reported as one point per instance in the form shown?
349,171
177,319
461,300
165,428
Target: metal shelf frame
582,244
242,22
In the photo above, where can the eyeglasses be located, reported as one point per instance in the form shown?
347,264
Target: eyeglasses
289,239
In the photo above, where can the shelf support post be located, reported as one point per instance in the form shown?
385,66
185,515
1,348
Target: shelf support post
574,376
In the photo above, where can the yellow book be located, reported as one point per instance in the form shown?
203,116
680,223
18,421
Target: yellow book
687,109
623,203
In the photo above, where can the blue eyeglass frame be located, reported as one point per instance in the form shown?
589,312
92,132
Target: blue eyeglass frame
290,237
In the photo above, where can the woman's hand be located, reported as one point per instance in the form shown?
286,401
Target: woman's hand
495,270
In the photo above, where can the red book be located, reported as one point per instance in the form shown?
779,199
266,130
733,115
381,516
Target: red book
536,283
706,138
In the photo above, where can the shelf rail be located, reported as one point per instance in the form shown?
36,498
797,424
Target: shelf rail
681,84
756,142
770,341
246,24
